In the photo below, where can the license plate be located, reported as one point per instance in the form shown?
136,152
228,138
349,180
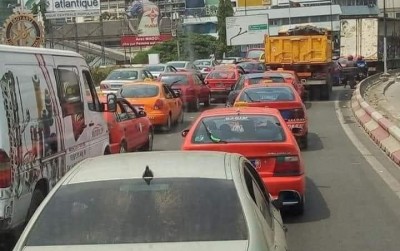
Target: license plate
220,85
291,126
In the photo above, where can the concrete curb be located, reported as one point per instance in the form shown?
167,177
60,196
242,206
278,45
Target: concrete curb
385,134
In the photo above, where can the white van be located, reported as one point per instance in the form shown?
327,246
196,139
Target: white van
50,120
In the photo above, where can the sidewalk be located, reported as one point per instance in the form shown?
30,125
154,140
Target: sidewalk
377,108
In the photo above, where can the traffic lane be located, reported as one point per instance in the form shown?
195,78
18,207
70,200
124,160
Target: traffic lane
348,206
173,140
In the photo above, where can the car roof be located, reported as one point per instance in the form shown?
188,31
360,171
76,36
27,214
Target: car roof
271,84
240,110
262,74
143,83
163,164
34,50
129,68
178,73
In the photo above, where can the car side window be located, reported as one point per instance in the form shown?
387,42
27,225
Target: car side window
168,94
120,113
259,191
91,93
239,84
69,90
129,111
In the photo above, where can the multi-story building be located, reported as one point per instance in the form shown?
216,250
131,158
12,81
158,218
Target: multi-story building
358,7
392,8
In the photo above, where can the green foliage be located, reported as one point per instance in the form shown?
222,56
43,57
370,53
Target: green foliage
225,9
100,73
192,46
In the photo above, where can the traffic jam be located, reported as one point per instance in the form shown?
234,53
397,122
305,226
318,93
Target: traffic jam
79,166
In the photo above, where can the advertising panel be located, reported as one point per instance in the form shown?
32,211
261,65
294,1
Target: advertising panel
132,40
242,30
253,3
72,8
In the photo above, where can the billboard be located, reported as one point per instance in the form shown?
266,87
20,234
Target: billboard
252,3
243,30
132,40
72,8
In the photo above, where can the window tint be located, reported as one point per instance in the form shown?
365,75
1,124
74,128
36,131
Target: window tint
244,128
130,211
128,110
69,91
123,75
139,91
267,94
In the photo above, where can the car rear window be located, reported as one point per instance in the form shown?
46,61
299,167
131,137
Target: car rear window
174,79
139,91
274,79
267,94
222,75
202,63
177,64
156,68
238,128
130,211
254,53
123,75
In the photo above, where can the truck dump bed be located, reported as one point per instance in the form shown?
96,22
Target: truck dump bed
304,45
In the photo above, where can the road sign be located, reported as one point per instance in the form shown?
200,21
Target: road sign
258,27
246,30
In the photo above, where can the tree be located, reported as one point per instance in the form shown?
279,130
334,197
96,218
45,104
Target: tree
193,46
225,9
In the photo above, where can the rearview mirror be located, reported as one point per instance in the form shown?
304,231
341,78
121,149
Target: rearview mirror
112,102
185,133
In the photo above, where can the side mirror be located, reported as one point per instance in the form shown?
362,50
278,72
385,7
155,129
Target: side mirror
142,113
185,133
278,204
112,102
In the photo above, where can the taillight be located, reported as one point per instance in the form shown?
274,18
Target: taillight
5,170
158,105
298,113
287,166
104,86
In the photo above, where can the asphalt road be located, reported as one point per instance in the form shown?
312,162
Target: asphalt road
349,207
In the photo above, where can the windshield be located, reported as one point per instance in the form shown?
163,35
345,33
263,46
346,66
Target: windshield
267,94
175,79
155,68
254,53
222,75
139,91
202,62
239,128
130,211
123,75
273,79
178,64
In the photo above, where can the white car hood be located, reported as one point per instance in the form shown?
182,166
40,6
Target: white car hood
240,245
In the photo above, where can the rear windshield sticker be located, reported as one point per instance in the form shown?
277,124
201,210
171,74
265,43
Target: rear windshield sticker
236,118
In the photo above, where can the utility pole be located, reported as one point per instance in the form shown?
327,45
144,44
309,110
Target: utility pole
384,40
76,35
103,53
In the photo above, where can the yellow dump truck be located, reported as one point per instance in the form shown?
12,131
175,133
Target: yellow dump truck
306,50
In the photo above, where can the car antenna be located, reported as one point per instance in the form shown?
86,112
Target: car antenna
148,175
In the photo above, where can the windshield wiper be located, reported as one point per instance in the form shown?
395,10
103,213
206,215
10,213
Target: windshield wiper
211,136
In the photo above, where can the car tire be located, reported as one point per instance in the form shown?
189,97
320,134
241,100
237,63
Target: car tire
150,139
123,148
207,103
299,208
167,127
37,198
196,105
304,142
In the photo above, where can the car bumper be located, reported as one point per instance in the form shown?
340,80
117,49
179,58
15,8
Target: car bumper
291,184
157,119
301,126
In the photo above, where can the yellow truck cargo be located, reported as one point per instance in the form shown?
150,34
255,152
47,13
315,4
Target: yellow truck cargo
306,50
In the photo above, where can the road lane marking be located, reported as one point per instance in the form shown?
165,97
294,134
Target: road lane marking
393,184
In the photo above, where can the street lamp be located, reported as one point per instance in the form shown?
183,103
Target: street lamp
175,31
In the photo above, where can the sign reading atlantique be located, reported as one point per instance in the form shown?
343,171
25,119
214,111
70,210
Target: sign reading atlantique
72,8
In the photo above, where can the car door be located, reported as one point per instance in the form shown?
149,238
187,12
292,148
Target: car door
202,89
171,100
140,129
128,126
269,216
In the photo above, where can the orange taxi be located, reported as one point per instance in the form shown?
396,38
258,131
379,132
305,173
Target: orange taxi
221,79
163,106
283,97
292,78
262,136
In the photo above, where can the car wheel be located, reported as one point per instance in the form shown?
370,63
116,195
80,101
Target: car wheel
299,208
208,101
196,105
304,142
37,198
123,148
168,125
150,138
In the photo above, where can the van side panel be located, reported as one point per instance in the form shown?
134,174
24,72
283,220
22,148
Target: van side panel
35,142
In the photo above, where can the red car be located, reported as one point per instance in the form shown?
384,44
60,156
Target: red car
262,136
220,81
292,78
193,91
130,129
283,97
